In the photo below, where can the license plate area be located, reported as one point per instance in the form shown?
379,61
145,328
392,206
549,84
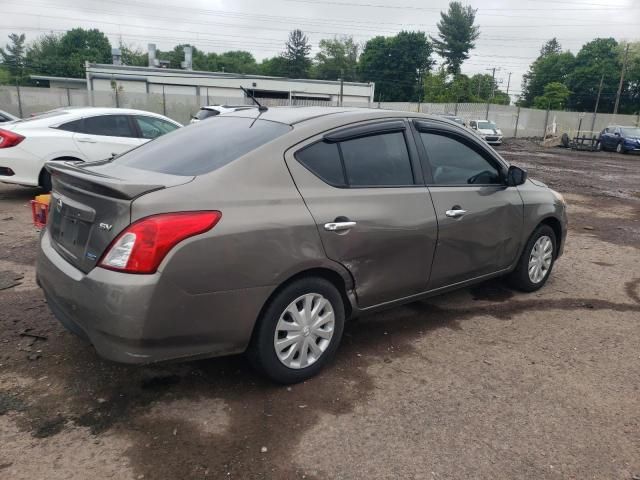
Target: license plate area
70,226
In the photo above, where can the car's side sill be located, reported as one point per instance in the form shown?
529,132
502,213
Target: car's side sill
431,293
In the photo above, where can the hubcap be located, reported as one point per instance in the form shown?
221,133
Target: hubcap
304,331
540,259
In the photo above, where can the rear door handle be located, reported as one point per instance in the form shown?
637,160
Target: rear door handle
86,140
455,213
338,226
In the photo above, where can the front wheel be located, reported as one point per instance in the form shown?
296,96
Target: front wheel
299,331
620,148
536,261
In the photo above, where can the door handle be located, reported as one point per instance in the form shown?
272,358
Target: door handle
455,213
338,226
86,140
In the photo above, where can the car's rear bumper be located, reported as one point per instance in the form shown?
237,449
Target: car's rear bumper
25,168
142,318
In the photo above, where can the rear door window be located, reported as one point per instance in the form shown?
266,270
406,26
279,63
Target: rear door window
203,147
108,125
377,160
323,159
74,126
152,127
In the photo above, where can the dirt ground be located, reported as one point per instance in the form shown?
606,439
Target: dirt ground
483,383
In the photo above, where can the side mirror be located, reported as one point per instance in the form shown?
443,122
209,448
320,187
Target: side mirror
516,176
617,134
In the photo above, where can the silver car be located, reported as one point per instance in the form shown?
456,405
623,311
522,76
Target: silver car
264,231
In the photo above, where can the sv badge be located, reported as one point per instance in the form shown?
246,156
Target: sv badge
105,226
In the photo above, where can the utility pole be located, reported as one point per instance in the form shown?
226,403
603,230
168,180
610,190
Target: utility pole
624,67
508,85
493,89
595,110
341,85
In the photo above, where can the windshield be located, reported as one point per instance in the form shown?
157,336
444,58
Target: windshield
487,125
202,147
630,132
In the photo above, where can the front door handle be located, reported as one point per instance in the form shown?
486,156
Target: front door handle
338,226
455,213
86,140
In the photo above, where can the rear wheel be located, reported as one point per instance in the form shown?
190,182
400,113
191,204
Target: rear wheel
45,181
299,331
536,261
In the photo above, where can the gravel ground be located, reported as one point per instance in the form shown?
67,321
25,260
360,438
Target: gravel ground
481,383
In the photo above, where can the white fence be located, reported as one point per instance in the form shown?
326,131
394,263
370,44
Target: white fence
514,121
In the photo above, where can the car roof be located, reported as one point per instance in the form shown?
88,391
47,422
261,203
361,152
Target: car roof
61,115
296,115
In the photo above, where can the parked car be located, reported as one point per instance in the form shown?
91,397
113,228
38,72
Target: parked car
487,130
264,231
454,118
213,110
619,138
77,134
7,117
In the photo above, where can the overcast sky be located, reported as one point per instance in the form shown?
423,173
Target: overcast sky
512,31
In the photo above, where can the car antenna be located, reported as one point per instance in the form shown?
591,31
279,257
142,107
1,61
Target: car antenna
261,108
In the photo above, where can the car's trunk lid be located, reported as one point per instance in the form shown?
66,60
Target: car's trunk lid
91,205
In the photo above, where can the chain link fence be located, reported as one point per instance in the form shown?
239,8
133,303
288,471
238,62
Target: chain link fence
513,121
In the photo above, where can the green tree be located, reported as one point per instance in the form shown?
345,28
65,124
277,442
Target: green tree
296,54
199,60
397,65
274,67
595,59
5,76
553,65
238,61
551,47
456,35
133,56
338,57
65,55
13,57
555,97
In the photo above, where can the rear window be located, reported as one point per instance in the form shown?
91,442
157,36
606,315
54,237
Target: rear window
205,113
203,147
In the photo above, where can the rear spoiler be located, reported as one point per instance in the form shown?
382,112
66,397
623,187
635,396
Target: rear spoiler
72,175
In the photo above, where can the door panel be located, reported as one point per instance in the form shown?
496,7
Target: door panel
104,135
390,249
483,240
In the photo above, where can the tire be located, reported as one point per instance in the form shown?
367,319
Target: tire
278,324
598,146
45,181
620,148
520,278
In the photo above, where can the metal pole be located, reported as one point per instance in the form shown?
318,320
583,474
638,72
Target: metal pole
19,99
546,121
164,102
493,85
515,133
624,67
68,98
455,110
595,110
117,98
341,86
508,85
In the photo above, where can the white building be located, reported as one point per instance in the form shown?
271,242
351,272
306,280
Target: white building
209,86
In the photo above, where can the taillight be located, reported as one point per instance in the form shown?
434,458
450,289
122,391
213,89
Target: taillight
143,245
9,138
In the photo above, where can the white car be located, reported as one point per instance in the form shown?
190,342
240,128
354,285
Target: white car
213,110
7,117
487,130
85,134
